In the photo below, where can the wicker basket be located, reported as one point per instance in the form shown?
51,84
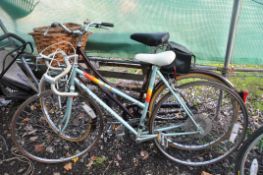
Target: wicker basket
55,35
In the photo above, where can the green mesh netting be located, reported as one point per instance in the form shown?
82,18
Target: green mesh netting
200,25
249,37
19,8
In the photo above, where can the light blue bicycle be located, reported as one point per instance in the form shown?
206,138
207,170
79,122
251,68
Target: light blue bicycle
195,124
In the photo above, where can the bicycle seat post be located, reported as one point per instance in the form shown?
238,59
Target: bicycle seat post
160,47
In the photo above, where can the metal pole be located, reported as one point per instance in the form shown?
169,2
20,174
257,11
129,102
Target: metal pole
231,36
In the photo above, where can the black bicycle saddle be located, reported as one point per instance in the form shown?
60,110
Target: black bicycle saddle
151,39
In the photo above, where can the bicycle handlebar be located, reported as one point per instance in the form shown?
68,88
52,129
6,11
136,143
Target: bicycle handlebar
53,80
57,24
84,28
65,71
68,94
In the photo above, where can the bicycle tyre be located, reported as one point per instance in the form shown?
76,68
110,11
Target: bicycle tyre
189,150
252,148
43,144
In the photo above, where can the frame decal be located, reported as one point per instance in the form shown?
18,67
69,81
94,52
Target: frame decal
148,95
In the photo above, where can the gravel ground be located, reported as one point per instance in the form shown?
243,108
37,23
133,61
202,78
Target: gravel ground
113,155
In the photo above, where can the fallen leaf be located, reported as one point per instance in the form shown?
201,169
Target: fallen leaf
76,122
49,137
32,107
144,155
91,162
116,127
68,166
25,120
21,170
118,157
205,173
117,163
42,119
50,149
75,159
135,162
29,128
32,132
33,139
39,148
93,158
89,165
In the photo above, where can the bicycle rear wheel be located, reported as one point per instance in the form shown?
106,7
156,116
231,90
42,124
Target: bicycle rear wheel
33,136
250,157
218,110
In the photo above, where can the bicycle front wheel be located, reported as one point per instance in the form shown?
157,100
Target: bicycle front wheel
216,109
33,136
250,157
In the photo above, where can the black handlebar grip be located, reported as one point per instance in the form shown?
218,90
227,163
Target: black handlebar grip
106,24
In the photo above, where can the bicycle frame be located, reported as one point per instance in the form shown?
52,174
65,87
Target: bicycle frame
141,134
96,73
